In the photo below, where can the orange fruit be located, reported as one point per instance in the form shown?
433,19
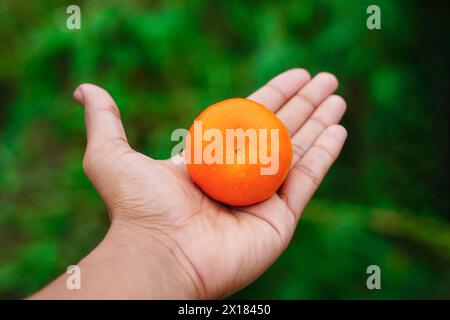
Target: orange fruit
238,152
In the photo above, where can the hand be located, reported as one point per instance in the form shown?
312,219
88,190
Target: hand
170,229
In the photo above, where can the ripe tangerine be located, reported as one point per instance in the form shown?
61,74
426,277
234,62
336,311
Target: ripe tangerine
247,179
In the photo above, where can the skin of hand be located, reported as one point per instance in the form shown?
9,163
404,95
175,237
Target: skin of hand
169,240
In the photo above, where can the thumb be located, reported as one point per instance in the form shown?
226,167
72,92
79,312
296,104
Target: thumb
102,117
105,137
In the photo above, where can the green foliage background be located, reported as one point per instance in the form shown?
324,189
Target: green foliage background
385,202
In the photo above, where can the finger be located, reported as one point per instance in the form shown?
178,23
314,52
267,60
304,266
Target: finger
283,223
298,109
280,89
304,178
327,113
102,117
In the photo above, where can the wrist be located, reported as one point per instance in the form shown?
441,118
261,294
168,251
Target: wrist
154,266
131,262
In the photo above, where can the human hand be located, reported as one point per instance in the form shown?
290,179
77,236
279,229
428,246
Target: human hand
172,231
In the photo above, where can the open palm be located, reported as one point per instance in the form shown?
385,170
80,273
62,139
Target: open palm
220,248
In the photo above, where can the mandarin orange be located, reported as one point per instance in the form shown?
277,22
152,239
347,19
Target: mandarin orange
238,152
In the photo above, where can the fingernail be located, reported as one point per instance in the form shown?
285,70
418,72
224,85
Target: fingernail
78,95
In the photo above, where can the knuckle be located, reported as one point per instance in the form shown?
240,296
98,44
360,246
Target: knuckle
304,101
277,90
298,150
114,109
308,173
109,107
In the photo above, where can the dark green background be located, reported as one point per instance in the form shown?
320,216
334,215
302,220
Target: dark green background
385,202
